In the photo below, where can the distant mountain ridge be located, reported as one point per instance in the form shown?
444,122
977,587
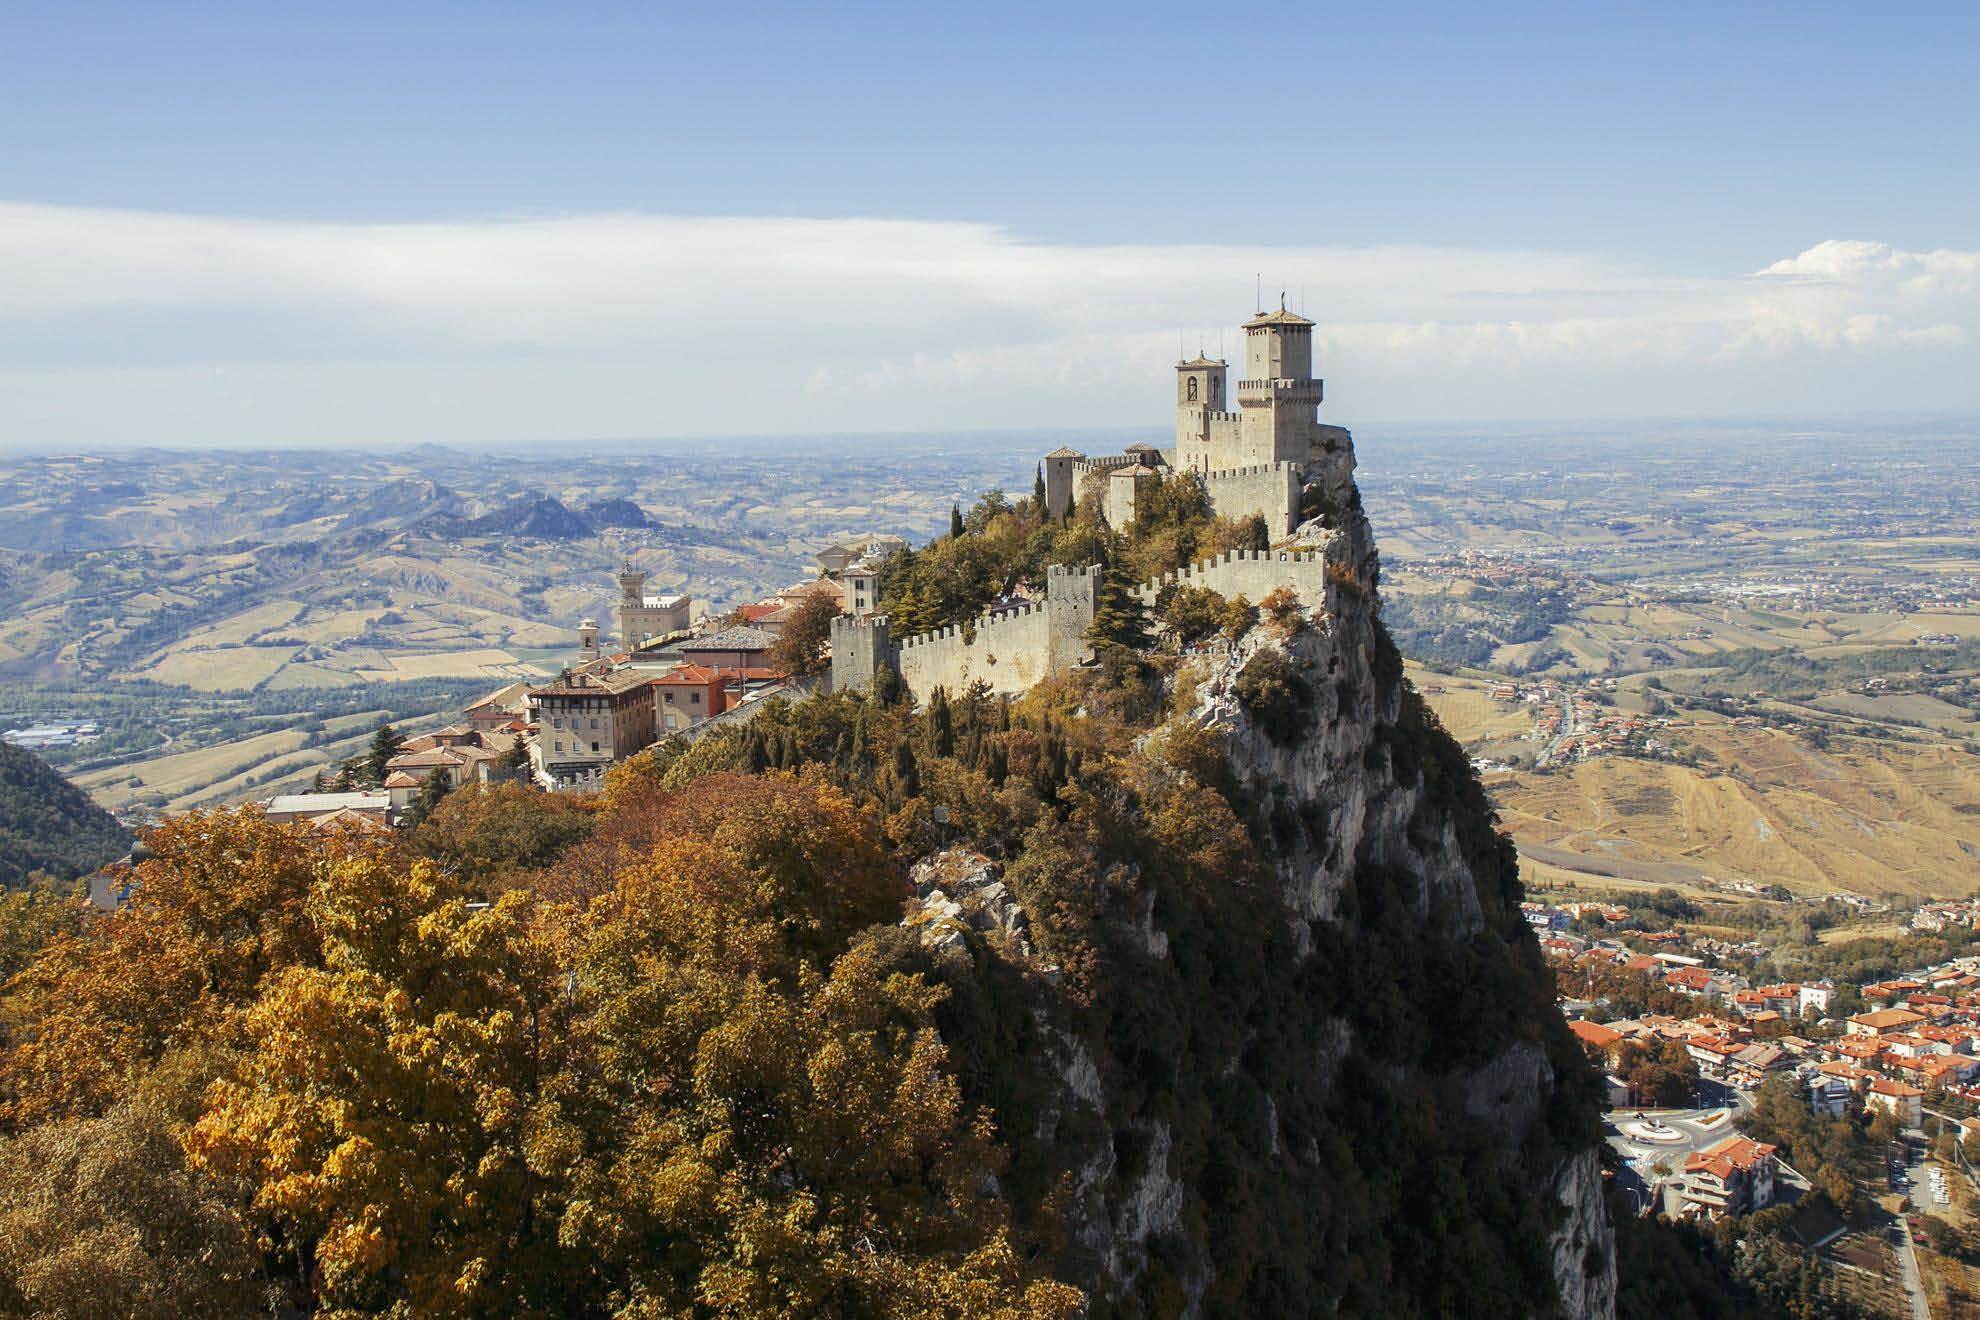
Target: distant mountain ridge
542,516
48,824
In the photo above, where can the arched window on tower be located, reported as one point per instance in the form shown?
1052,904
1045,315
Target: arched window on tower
1192,389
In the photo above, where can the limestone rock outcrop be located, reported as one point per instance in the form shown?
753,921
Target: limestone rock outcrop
1390,873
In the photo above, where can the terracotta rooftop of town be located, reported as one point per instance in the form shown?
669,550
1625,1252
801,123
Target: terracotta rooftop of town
1594,1033
1734,1153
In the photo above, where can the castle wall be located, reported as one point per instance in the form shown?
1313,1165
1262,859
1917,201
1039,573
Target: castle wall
1252,574
1270,489
1010,650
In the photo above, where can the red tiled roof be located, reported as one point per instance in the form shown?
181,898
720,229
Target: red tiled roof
1594,1033
1742,1153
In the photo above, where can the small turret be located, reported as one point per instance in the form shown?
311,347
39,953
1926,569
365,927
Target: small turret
588,639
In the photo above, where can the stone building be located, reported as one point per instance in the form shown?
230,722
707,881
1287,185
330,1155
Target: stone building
586,721
642,618
1258,459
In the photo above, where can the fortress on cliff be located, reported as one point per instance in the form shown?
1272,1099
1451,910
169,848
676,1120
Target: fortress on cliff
1263,459
1256,460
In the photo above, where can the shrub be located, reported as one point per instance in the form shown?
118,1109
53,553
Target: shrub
1277,696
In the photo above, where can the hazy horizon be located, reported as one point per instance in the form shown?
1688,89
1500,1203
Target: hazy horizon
260,227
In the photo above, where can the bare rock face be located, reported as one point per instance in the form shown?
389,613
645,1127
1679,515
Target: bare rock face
1584,1246
957,890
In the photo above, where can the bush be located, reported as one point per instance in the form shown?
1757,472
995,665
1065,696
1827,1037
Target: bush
1277,696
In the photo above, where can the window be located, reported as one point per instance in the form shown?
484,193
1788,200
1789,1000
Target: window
594,747
560,746
696,698
1192,389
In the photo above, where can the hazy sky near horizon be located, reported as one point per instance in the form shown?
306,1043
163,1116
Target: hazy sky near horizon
256,224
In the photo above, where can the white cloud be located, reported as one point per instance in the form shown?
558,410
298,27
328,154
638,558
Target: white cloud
146,328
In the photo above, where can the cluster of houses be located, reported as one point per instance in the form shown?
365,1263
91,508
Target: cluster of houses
1934,917
674,676
1917,1037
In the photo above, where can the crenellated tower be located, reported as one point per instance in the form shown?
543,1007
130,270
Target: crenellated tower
1278,392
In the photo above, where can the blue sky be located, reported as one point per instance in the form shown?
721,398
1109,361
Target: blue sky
1476,186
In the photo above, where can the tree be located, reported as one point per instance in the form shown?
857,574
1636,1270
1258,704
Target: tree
102,1217
437,785
389,1118
1120,619
491,831
31,919
1193,613
1277,696
216,909
906,773
1239,616
955,522
941,725
800,645
385,744
1038,491
1281,607
515,761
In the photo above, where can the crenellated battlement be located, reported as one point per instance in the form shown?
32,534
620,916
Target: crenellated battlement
1249,573
1009,648
1259,470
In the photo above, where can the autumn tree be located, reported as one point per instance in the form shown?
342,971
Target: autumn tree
389,1120
492,831
102,1217
216,910
800,645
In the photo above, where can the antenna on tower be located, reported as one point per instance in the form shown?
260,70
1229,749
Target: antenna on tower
1258,291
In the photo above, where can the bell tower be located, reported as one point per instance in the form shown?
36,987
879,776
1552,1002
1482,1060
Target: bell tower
1200,391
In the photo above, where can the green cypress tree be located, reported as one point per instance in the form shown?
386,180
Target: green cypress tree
1120,620
941,725
955,522
1038,492
907,775
888,688
437,786
385,744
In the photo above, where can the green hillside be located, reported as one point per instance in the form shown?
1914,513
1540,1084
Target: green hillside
48,824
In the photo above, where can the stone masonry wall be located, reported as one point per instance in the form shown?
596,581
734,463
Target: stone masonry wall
1010,650
1271,489
1252,574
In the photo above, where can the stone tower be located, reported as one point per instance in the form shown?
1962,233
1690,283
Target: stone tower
1060,475
632,604
1279,394
1200,399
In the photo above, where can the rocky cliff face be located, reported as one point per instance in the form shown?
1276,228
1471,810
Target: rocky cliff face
1350,1092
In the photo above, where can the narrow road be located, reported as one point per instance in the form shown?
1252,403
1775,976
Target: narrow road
1914,1285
